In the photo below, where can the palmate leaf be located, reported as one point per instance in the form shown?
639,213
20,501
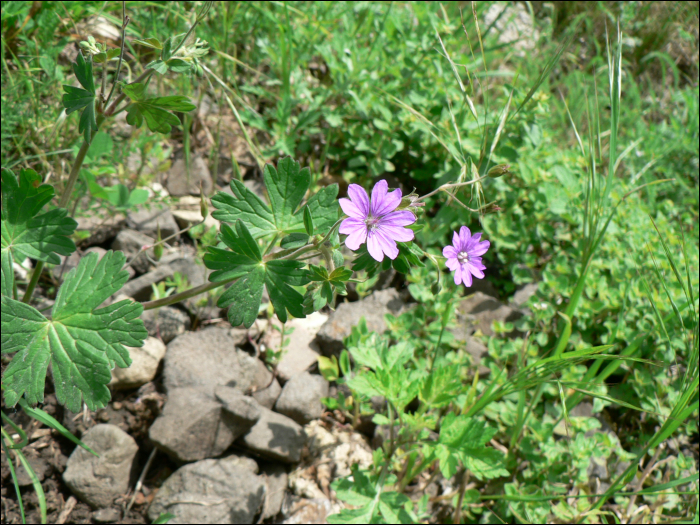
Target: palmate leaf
156,111
24,232
286,186
244,261
81,342
82,98
462,440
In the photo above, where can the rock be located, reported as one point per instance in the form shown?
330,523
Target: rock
479,311
302,351
100,228
147,221
224,490
98,480
40,466
267,397
276,436
207,359
522,296
165,322
145,361
275,476
140,288
243,411
108,515
60,271
477,350
179,183
514,26
337,447
190,427
301,397
188,211
372,308
130,242
314,510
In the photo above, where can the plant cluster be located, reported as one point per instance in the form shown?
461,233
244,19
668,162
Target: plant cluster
438,416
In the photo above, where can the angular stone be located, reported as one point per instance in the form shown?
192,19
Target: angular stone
98,480
190,427
179,183
243,410
144,365
522,296
224,490
276,436
130,242
165,322
302,351
276,487
479,311
206,359
147,221
267,397
372,308
301,397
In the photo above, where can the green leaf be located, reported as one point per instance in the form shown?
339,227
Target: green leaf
286,186
158,66
177,65
243,259
25,233
152,42
82,98
308,221
328,367
156,111
81,341
294,240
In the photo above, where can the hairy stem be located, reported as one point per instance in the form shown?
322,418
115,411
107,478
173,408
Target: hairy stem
125,22
192,292
451,185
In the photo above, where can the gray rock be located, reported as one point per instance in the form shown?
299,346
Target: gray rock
224,490
140,288
180,184
145,361
100,228
60,271
207,359
521,297
302,351
276,486
147,222
276,436
372,308
130,242
301,398
242,411
314,510
98,480
190,427
479,311
267,397
108,515
165,322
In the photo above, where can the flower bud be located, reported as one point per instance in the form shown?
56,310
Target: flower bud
158,248
491,207
498,171
410,201
203,208
435,288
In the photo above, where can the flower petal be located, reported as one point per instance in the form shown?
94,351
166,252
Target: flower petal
450,252
357,233
464,236
477,263
388,245
466,276
480,249
351,224
458,275
359,198
386,204
351,209
475,271
456,242
378,195
452,264
474,240
396,233
374,247
398,218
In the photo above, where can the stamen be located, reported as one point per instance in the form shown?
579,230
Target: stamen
463,257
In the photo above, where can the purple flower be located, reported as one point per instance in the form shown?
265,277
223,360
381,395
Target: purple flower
375,221
464,256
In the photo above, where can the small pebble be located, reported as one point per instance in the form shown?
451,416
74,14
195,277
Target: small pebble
108,515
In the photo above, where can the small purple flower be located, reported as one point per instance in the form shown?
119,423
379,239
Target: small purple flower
464,256
375,222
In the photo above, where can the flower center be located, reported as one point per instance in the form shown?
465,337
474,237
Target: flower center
463,257
372,223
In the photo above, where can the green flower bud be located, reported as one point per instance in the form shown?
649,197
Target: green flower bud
203,208
158,248
491,207
498,171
